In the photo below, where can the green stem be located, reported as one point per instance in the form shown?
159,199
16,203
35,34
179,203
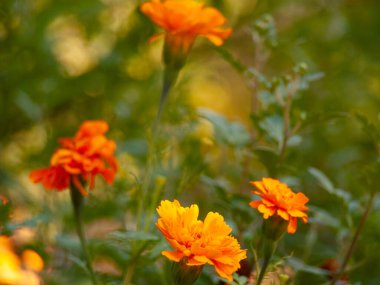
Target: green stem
77,202
160,182
145,185
358,231
269,249
131,269
128,276
170,78
286,133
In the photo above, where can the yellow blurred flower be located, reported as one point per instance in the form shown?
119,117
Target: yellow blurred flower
16,271
199,242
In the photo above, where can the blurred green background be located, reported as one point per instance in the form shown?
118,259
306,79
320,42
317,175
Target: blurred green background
63,62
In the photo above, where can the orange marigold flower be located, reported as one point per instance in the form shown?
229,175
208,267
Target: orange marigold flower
184,20
80,159
278,199
3,200
199,242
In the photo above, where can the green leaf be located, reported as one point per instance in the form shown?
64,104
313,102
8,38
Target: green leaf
305,80
299,265
323,180
133,236
322,217
369,128
326,184
274,127
232,133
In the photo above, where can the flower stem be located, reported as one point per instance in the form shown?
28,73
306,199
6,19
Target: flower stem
159,185
128,276
145,184
358,231
132,268
269,248
77,202
170,78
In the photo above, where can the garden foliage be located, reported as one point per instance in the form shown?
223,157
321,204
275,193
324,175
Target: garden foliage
182,142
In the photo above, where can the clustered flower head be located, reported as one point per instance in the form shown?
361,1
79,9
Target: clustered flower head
277,199
185,20
199,242
15,270
78,160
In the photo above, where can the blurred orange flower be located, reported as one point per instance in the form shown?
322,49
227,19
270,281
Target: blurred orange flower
3,200
199,242
16,271
80,159
184,20
278,199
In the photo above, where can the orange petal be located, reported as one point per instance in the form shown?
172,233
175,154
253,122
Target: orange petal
32,260
300,199
267,212
283,214
292,226
198,260
297,213
78,185
173,255
255,204
224,270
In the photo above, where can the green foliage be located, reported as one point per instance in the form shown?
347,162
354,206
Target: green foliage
302,105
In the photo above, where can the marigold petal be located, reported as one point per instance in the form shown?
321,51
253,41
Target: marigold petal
255,204
268,203
300,199
92,128
259,185
224,270
297,213
292,226
214,223
51,178
173,255
36,175
283,214
198,260
218,36
78,186
267,212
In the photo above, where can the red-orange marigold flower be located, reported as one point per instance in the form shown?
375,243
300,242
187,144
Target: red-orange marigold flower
80,159
199,242
278,199
184,20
